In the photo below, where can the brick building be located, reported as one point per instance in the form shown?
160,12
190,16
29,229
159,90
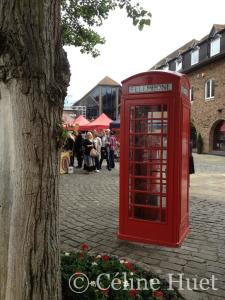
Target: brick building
204,63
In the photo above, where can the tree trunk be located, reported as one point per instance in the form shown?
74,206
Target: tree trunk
34,76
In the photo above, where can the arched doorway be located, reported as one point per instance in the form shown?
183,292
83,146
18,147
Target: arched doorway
219,137
193,136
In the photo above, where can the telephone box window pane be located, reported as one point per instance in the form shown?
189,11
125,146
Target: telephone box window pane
163,201
138,170
146,185
147,167
164,141
144,169
132,112
165,127
145,141
151,214
146,199
164,154
146,111
164,188
165,113
145,155
155,126
164,171
148,126
132,129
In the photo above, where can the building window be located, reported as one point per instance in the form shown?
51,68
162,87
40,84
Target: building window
178,64
166,67
192,94
215,46
209,89
194,57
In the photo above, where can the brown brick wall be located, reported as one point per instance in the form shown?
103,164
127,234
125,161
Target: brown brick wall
204,113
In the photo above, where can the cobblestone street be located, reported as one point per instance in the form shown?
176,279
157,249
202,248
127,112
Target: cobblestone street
89,213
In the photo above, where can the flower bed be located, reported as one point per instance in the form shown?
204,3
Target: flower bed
106,277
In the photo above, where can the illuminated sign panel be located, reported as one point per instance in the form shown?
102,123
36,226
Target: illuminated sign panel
150,88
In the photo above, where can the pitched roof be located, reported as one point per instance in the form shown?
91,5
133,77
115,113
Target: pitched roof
215,28
102,122
108,81
176,53
81,120
105,81
219,27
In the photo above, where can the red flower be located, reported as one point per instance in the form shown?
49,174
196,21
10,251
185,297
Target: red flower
105,292
85,247
81,255
77,274
133,293
129,266
158,294
105,257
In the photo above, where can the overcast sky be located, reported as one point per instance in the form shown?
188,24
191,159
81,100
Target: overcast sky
128,51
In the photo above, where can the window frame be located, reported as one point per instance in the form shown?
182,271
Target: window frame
193,52
179,62
212,42
191,94
211,89
166,67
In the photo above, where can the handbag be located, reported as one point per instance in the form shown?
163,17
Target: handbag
93,153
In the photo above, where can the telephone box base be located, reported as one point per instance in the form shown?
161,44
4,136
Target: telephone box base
138,239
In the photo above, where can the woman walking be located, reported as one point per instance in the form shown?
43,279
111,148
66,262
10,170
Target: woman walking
98,145
88,144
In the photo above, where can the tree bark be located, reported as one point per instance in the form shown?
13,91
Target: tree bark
34,75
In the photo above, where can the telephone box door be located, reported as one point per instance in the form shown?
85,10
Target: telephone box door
147,165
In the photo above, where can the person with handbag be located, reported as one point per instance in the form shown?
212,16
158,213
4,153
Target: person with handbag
89,163
98,145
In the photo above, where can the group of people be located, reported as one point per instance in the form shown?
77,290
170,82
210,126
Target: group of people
91,149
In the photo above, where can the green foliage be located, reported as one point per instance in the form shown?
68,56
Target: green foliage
199,143
76,264
80,16
61,134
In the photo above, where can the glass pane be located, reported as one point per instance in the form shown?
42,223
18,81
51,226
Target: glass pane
165,125
152,214
144,169
164,141
145,155
146,184
208,89
146,111
163,201
148,156
146,141
145,199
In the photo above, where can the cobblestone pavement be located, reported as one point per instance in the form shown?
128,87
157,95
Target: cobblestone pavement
89,213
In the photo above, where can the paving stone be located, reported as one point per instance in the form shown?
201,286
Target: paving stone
89,213
171,266
178,261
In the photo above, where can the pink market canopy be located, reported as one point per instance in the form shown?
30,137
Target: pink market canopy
102,122
68,120
81,120
74,124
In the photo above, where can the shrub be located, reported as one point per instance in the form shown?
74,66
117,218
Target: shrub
123,272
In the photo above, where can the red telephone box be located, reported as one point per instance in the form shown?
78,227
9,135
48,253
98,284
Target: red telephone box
154,158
